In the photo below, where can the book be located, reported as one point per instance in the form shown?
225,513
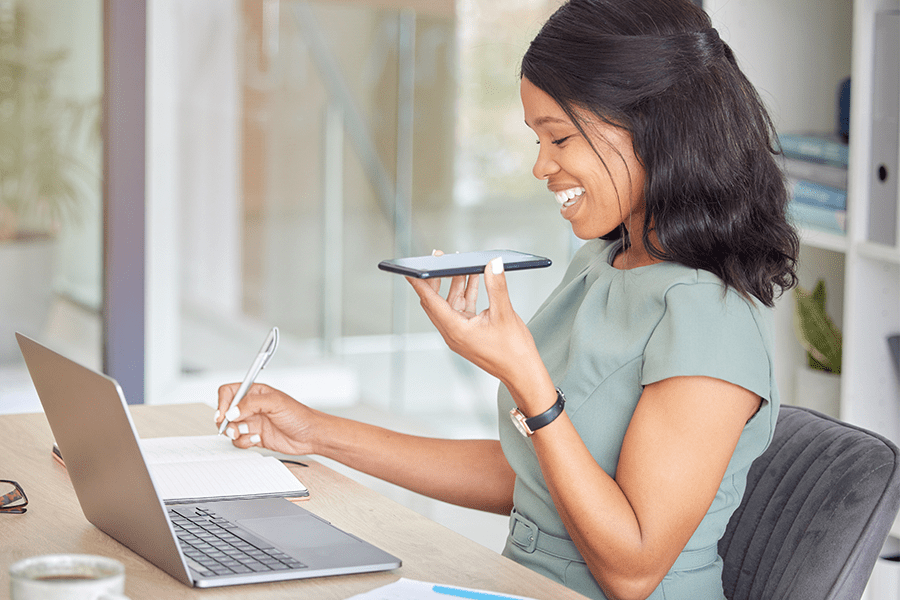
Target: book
818,217
817,194
210,467
824,148
834,176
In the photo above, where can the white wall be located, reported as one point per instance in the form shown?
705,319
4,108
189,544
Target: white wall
193,200
795,52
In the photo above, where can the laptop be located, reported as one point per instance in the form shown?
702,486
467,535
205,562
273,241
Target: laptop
251,540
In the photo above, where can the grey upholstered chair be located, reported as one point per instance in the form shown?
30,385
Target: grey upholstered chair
818,507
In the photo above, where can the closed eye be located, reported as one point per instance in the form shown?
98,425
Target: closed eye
560,140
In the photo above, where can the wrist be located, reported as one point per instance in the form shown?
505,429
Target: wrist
322,434
528,381
527,426
534,395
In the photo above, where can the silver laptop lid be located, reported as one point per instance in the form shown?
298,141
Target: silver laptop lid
92,426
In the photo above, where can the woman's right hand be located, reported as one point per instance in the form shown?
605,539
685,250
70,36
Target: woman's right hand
269,418
430,466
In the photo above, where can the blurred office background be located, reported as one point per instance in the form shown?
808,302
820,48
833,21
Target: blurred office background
290,146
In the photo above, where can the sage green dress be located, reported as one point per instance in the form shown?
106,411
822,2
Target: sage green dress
603,334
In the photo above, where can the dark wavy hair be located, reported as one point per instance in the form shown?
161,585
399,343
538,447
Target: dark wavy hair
715,196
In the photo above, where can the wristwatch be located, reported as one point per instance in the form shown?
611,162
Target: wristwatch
527,427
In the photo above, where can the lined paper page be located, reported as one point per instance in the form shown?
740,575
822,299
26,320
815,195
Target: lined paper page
210,466
235,477
194,448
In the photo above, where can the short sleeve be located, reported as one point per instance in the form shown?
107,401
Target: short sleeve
705,332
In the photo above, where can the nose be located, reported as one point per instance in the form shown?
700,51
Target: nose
544,165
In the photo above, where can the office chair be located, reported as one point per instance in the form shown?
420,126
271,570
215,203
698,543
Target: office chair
818,507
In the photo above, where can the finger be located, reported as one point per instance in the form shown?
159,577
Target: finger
226,394
495,284
258,400
423,287
471,298
456,297
243,440
435,282
436,307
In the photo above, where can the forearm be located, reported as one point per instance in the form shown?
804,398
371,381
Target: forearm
675,453
469,473
596,513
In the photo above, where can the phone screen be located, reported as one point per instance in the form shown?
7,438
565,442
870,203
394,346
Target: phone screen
464,263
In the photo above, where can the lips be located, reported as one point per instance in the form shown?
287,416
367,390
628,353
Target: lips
567,198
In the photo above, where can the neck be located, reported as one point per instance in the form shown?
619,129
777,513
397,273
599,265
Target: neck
635,256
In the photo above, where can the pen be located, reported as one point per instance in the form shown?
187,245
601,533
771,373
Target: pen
262,359
468,594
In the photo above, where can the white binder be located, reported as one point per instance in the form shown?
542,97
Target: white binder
885,167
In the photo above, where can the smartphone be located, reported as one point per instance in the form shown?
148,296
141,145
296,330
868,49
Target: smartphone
464,263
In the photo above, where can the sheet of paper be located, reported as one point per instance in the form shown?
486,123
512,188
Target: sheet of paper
196,448
210,466
223,479
410,589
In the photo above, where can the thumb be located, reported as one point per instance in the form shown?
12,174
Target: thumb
495,284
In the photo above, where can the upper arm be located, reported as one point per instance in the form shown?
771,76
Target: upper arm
675,453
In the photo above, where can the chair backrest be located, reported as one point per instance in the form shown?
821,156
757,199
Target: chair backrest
819,504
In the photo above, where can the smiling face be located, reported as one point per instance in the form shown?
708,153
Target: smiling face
594,198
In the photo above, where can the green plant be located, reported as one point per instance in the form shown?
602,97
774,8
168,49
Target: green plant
42,179
817,333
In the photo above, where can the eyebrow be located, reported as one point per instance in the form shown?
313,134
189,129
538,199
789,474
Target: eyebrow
547,119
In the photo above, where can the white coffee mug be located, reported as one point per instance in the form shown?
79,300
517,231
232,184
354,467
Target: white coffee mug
67,576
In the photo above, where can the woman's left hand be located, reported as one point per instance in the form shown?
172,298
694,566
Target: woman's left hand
496,339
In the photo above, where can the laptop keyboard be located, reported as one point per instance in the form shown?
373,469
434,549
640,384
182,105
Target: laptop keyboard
216,546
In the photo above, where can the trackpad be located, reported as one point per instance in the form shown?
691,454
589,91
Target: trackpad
300,532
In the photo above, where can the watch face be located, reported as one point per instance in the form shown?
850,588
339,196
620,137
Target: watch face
518,420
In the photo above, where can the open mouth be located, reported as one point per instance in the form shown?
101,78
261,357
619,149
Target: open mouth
567,198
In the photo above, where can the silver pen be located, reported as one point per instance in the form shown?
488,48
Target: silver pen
262,359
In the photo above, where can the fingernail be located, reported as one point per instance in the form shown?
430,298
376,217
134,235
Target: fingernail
233,413
243,428
497,265
230,433
434,252
216,416
255,439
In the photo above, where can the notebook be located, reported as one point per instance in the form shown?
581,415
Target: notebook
201,468
279,540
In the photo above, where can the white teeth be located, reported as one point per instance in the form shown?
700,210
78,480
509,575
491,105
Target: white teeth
567,197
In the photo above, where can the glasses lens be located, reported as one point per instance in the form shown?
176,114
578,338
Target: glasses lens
11,496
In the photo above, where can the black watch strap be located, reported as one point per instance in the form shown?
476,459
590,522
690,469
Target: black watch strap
549,415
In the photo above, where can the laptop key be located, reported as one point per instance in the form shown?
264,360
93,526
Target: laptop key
217,547
200,569
241,569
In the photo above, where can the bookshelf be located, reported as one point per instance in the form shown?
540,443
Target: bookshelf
861,267
870,386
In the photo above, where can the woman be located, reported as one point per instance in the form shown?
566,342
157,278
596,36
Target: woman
643,388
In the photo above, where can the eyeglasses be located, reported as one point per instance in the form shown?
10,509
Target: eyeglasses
12,497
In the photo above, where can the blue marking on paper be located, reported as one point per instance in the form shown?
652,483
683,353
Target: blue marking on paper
469,594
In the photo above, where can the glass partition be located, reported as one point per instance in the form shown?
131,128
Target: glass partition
294,145
50,172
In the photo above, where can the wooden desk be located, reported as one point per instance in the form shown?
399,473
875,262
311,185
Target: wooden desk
430,552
